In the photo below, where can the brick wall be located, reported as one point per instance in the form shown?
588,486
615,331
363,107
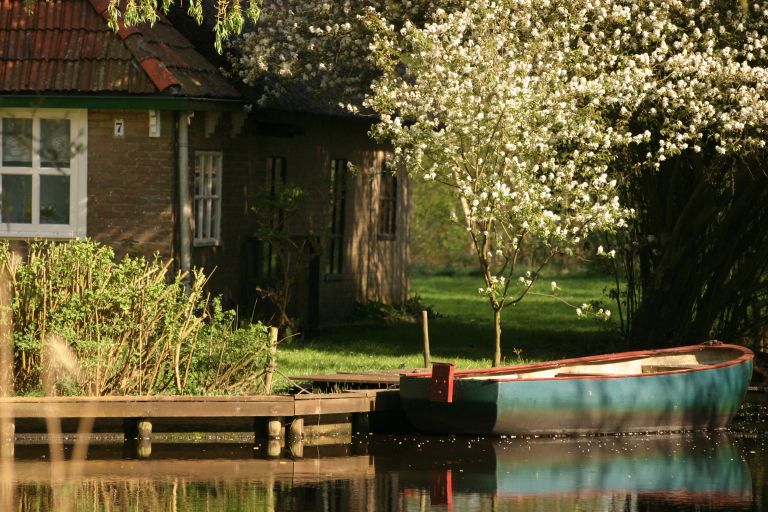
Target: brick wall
131,182
224,262
132,200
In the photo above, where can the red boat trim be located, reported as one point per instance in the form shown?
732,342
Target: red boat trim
746,355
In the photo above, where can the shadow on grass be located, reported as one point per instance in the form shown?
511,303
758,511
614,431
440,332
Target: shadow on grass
542,328
456,338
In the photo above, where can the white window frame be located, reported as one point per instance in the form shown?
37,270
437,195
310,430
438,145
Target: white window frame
206,203
77,172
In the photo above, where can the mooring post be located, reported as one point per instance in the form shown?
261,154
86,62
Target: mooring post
275,428
296,429
137,438
144,429
274,448
425,335
296,448
271,361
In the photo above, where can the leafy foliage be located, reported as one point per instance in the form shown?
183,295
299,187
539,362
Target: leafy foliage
130,327
229,15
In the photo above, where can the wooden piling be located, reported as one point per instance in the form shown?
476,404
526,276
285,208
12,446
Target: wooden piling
144,429
271,361
296,448
425,336
275,428
296,429
274,448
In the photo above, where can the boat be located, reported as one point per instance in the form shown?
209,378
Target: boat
696,387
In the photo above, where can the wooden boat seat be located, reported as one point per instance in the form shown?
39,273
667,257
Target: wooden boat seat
584,374
656,368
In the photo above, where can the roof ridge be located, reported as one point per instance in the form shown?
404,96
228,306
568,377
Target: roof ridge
151,63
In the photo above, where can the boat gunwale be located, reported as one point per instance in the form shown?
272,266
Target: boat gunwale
746,355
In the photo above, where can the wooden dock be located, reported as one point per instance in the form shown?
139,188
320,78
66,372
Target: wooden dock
266,415
381,379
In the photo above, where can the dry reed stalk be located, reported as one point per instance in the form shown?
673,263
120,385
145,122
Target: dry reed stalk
7,487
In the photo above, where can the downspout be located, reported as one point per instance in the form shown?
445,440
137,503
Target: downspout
185,207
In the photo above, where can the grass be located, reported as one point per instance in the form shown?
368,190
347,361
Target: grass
541,327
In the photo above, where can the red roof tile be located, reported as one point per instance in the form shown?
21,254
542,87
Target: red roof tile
67,47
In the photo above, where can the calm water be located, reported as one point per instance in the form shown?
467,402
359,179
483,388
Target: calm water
680,472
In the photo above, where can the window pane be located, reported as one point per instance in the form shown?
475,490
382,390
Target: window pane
215,165
54,199
17,142
54,143
16,198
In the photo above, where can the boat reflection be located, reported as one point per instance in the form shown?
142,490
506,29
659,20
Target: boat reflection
600,473
388,473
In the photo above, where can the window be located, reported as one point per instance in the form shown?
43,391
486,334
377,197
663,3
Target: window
43,166
276,174
387,204
335,262
208,169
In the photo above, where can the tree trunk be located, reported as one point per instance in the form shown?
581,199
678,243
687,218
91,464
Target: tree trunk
497,346
706,273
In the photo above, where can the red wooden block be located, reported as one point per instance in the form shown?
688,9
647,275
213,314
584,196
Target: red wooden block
442,382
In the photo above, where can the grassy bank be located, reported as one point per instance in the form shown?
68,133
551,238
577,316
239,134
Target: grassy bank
543,328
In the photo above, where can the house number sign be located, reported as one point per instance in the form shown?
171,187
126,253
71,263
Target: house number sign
119,128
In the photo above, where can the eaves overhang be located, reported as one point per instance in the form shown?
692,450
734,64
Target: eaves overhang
122,102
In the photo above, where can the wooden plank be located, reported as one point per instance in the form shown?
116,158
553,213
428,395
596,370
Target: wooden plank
147,398
373,377
199,407
146,409
313,405
350,378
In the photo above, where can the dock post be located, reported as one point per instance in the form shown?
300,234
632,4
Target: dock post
137,438
274,448
296,448
144,429
295,437
296,429
275,428
271,361
144,448
425,336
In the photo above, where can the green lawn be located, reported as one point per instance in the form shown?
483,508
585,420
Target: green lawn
543,328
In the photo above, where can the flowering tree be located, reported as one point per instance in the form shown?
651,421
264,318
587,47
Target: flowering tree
694,260
320,45
503,102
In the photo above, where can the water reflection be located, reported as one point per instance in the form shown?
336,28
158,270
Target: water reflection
604,473
387,473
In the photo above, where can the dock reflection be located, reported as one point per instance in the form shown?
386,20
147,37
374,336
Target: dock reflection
387,473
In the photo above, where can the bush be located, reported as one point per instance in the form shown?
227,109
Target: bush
131,326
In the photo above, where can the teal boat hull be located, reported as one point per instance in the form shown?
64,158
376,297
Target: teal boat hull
659,402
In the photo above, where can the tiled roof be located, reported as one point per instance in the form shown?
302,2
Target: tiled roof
67,47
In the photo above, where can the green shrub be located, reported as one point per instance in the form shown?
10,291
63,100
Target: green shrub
132,326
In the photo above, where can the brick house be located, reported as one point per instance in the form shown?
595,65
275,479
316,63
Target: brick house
135,140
